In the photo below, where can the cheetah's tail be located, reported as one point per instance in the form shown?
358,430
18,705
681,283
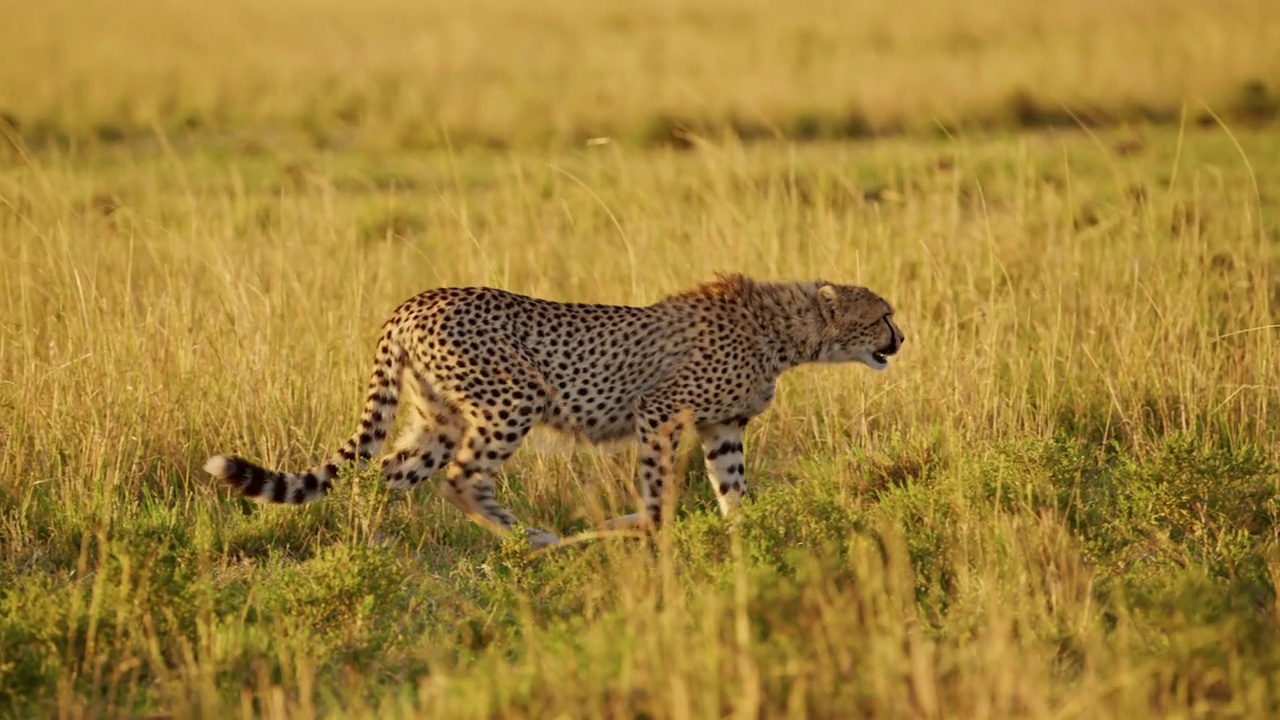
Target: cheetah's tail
271,486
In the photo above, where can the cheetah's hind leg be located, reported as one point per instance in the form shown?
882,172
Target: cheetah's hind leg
469,477
427,443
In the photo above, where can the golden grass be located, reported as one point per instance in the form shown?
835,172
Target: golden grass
396,72
1082,277
1059,502
161,308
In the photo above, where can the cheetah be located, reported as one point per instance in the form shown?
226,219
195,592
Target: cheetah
481,367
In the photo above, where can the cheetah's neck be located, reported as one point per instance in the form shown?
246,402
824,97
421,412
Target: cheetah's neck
788,318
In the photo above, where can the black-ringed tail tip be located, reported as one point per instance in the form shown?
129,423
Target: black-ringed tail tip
237,473
267,486
219,466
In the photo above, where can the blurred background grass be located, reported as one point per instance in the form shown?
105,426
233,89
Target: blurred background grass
405,73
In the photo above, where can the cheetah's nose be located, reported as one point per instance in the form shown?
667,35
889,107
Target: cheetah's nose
896,338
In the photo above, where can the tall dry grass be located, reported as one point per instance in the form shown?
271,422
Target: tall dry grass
1058,502
395,72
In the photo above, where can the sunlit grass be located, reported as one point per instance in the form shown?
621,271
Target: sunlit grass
399,73
1058,502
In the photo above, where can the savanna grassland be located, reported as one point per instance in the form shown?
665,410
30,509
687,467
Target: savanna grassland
1060,501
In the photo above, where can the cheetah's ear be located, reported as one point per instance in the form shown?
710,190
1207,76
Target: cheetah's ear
828,302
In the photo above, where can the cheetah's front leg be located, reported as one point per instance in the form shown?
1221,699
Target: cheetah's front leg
659,435
723,449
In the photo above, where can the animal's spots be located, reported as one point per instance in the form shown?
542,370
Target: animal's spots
480,367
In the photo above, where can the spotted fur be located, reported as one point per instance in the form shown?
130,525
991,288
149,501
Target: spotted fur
480,367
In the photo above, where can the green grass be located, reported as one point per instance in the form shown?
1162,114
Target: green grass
1060,501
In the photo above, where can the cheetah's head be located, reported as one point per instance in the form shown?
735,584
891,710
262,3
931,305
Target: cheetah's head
857,326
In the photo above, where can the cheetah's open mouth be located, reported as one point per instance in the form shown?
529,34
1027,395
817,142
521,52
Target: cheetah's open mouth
879,359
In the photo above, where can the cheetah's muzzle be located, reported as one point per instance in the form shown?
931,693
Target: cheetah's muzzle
881,354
